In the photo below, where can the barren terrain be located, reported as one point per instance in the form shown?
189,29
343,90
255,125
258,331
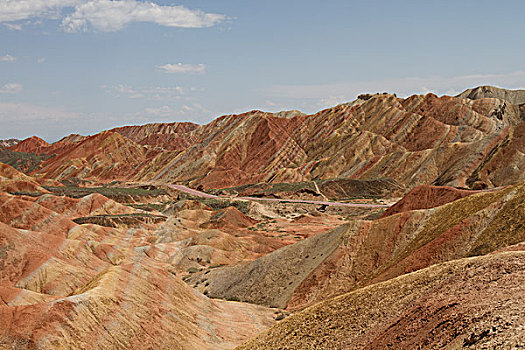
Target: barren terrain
384,222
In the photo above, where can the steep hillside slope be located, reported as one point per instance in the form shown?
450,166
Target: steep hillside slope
418,140
426,197
12,180
365,252
423,139
32,144
472,303
232,150
104,156
168,136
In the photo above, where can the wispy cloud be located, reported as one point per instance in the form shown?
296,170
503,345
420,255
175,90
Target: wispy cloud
19,112
7,58
104,15
162,111
156,93
168,112
183,68
313,97
13,26
11,88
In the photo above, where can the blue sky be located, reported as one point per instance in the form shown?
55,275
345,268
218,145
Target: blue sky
81,66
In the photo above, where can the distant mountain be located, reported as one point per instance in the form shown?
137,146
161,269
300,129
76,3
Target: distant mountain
516,97
107,155
8,143
166,136
422,139
33,144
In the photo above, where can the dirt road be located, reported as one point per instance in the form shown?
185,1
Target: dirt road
207,195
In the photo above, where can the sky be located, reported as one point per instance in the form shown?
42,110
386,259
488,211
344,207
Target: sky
82,66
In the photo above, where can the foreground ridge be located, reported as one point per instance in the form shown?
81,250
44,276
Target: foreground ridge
468,303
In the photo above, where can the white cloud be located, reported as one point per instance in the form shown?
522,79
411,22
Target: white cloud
40,60
183,68
7,58
197,107
11,88
15,10
104,15
330,101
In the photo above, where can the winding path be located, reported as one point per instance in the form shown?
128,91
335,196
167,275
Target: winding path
207,195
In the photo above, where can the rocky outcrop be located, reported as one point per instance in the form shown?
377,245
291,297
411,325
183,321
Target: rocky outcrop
516,97
8,143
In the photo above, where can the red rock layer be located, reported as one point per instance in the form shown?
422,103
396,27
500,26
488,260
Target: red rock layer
107,155
167,136
474,303
33,144
365,252
426,197
423,139
64,285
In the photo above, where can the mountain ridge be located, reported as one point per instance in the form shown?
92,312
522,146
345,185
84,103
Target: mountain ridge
419,140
